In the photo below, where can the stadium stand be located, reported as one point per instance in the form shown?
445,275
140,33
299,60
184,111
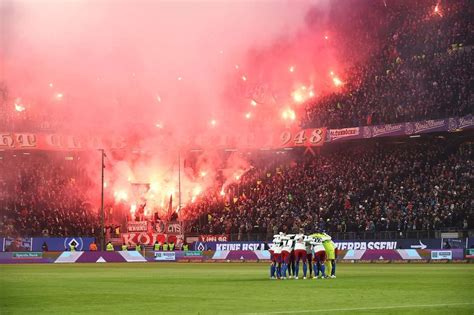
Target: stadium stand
408,76
364,187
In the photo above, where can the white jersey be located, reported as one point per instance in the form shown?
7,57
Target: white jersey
287,244
319,248
300,243
276,248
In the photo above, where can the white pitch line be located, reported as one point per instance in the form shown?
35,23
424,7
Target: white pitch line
360,308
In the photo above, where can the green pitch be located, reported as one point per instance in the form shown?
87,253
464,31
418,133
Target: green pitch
234,288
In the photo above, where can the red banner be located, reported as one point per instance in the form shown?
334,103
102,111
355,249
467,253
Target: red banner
313,137
214,238
150,238
60,142
34,141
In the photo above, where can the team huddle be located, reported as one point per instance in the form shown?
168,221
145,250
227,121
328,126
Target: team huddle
316,252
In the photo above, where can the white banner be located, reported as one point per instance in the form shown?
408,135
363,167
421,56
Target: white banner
441,254
165,256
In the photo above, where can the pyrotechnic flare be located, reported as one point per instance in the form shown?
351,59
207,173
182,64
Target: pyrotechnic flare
288,114
337,81
297,97
253,103
120,196
248,115
18,105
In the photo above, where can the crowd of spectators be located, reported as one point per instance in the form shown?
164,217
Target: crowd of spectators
44,194
366,187
420,68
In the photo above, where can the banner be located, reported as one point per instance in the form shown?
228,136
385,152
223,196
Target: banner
237,255
441,254
389,244
214,238
192,253
400,254
229,246
150,238
174,228
139,226
163,227
59,142
343,134
27,255
301,138
62,243
165,256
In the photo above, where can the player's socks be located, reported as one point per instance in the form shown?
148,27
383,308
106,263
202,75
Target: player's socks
272,270
333,270
283,270
297,269
310,265
305,269
278,270
316,270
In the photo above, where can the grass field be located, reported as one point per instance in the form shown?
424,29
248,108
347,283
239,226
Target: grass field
238,288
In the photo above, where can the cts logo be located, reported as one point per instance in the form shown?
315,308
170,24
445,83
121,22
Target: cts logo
77,242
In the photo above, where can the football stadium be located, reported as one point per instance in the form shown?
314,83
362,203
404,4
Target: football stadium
236,157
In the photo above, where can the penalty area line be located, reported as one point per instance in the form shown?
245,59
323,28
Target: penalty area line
360,308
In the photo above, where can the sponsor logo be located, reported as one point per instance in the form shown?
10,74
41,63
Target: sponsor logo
27,255
366,245
193,253
76,241
343,133
200,246
428,125
386,129
165,256
441,254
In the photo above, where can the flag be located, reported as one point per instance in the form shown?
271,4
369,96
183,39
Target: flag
170,206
